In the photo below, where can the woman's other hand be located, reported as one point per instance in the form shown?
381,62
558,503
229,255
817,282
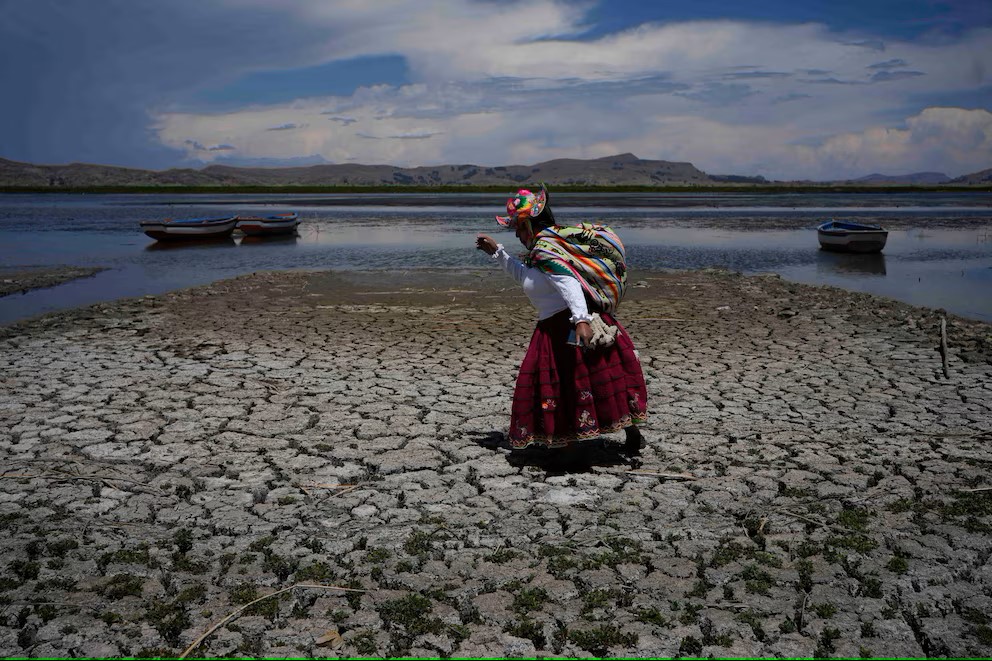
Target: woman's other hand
485,244
583,333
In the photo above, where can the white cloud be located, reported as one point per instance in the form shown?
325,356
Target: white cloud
498,83
938,139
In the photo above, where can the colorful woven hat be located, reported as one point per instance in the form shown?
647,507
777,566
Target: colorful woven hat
524,204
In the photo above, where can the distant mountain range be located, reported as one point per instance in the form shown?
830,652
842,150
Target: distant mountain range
915,179
619,170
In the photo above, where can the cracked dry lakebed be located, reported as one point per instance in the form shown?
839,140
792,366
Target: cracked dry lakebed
812,484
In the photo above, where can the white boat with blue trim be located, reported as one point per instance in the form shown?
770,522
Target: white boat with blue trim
280,223
844,236
191,228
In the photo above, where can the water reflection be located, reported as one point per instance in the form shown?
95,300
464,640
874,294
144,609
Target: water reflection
850,263
936,257
280,239
223,242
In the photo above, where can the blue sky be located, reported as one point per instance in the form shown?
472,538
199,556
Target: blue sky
788,90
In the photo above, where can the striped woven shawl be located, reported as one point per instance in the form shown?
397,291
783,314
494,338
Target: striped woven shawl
593,254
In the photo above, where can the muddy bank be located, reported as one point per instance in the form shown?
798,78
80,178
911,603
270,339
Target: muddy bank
20,280
812,483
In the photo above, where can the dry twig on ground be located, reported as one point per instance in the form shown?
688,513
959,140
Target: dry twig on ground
232,615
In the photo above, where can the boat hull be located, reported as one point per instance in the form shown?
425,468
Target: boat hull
851,237
859,242
184,230
278,225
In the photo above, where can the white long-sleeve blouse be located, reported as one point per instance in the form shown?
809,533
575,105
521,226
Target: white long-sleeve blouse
548,293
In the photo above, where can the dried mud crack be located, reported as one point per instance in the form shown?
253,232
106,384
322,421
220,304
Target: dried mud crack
168,460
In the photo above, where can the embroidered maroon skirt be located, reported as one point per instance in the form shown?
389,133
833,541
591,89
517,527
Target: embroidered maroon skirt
564,393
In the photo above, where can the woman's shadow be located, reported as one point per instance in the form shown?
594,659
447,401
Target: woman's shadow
578,457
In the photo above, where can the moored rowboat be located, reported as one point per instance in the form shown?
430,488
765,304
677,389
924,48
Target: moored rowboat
841,236
191,228
281,223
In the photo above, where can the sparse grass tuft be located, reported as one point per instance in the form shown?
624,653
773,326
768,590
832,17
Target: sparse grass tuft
598,641
61,547
826,611
898,565
529,599
122,585
652,616
529,629
378,556
853,542
854,518
364,643
419,543
25,570
135,556
690,646
501,556
318,572
753,619
184,540
757,580
825,644
169,618
262,543
281,566
412,613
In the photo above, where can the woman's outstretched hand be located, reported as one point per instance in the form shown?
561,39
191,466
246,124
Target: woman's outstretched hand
485,244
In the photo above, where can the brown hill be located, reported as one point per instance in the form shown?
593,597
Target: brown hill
915,179
14,173
981,178
619,170
624,169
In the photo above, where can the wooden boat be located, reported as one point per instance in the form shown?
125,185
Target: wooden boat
280,223
841,236
191,228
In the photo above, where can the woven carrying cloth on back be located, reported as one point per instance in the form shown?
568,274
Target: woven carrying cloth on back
593,254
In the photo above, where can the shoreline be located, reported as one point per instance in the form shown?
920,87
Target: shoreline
19,280
29,279
170,458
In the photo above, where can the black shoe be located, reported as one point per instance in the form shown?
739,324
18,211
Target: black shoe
633,444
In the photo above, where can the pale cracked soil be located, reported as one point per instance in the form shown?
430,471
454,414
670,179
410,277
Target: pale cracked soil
167,460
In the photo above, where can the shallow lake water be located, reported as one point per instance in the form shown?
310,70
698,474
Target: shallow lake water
939,251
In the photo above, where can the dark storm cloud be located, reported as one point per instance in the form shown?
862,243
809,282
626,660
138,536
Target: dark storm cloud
201,147
88,75
885,76
745,75
411,135
888,64
343,120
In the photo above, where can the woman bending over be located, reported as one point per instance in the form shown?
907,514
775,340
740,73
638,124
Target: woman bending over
581,376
